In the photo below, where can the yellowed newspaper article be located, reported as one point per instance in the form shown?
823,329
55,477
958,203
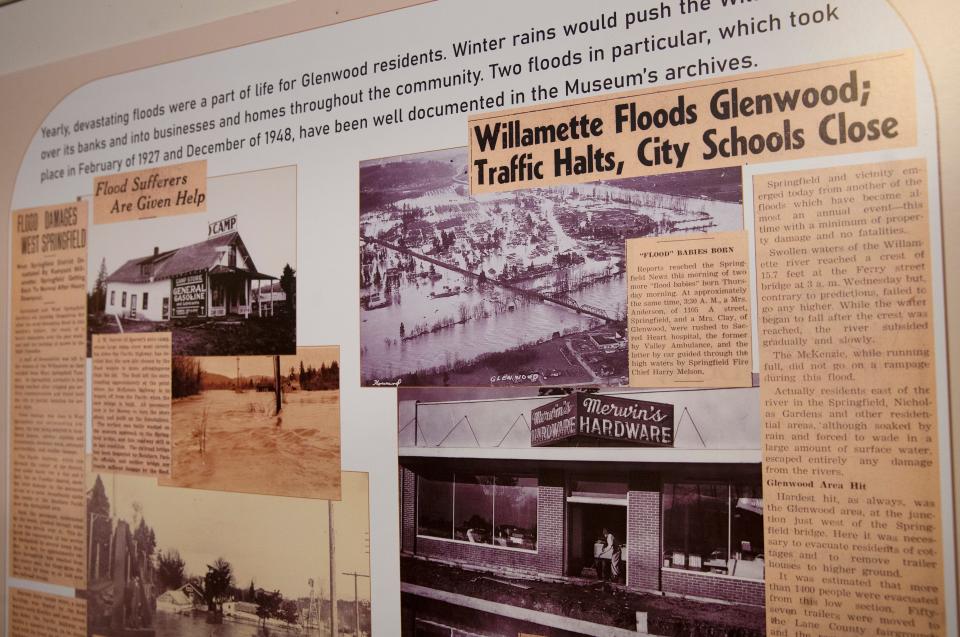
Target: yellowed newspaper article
131,403
688,311
843,106
47,408
155,192
851,477
34,614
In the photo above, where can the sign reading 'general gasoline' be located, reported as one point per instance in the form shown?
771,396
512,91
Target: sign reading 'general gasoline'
594,419
189,294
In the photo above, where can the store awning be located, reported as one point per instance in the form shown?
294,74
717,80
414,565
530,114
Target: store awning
247,274
754,505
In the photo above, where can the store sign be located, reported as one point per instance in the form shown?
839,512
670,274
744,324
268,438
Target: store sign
554,422
221,226
189,294
585,419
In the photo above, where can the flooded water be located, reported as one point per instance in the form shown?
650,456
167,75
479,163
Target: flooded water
386,356
250,449
421,228
173,625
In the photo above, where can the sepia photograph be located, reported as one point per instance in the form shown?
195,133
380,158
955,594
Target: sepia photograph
223,282
555,511
257,424
517,288
169,562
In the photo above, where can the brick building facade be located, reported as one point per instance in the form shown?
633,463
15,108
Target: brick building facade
656,508
554,558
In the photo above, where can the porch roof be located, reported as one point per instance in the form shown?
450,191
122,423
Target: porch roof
248,274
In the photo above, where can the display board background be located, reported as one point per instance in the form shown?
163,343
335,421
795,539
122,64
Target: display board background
29,95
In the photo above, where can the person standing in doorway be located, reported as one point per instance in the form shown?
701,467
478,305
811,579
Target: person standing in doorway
599,563
612,552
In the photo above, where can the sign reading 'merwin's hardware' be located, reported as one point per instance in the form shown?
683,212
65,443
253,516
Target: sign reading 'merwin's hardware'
587,418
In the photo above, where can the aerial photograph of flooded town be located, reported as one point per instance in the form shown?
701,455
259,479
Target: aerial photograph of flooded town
517,288
170,562
257,424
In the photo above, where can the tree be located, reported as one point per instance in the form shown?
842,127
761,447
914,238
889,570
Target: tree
268,605
98,502
186,376
98,300
99,530
288,283
289,611
334,372
146,539
217,584
170,570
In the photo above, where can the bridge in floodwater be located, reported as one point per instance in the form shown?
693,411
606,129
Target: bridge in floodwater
565,301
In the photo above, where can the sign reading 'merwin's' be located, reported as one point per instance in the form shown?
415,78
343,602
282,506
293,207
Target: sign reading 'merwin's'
585,419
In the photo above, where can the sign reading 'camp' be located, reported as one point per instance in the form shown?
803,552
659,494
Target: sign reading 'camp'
594,419
222,226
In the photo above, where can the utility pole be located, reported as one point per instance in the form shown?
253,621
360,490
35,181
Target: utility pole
276,381
356,599
333,576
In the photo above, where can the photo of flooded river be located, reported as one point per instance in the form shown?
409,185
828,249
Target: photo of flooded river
228,434
166,561
524,287
195,625
249,449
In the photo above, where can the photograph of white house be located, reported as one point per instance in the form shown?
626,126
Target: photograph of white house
216,277
223,282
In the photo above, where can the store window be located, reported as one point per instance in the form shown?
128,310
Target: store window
473,509
515,512
435,507
499,511
714,528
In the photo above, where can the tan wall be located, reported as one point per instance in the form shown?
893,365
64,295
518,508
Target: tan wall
27,96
